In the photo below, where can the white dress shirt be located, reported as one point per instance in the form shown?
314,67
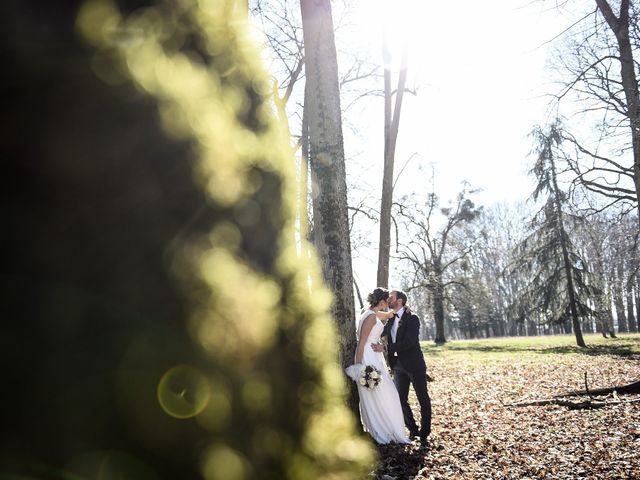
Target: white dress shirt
394,327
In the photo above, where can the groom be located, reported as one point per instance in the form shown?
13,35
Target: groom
407,362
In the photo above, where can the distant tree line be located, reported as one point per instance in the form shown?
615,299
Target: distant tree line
483,289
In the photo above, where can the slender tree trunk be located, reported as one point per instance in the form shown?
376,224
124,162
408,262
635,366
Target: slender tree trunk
637,298
499,327
424,330
472,328
575,319
603,318
467,323
618,298
513,328
620,315
391,127
326,154
384,246
532,328
601,311
608,313
438,309
358,294
620,27
599,325
631,319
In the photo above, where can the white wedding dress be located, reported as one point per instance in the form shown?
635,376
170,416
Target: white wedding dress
380,409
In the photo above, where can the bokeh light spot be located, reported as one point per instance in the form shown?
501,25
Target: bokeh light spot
224,463
183,392
98,20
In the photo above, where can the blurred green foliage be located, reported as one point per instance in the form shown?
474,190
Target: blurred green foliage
160,322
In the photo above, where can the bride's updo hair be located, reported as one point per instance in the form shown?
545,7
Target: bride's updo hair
377,295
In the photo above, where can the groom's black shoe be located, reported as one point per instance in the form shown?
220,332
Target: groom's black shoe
424,437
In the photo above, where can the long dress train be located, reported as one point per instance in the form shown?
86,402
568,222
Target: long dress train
380,409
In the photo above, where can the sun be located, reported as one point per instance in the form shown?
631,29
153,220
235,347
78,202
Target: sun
393,26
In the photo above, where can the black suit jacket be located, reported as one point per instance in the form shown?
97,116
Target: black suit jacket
407,344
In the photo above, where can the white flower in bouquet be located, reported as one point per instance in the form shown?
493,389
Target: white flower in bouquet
371,376
366,375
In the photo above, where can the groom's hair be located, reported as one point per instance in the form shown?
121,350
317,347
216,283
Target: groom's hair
401,296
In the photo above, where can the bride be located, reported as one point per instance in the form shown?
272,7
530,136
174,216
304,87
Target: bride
380,409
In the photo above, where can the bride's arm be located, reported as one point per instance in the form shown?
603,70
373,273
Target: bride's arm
367,325
385,315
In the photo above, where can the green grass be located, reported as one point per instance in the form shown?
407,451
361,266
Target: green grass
504,348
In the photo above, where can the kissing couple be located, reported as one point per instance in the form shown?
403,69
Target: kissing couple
384,408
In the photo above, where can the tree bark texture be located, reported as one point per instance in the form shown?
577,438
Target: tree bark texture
303,183
326,155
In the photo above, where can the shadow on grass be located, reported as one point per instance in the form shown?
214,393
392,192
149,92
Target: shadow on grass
610,350
623,347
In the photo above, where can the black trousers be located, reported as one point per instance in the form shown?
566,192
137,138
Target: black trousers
403,379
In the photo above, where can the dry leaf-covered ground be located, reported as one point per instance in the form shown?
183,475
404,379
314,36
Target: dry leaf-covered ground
477,436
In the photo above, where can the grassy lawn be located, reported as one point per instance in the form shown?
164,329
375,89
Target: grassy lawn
506,348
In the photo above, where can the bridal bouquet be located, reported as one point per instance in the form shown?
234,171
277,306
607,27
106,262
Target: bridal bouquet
366,375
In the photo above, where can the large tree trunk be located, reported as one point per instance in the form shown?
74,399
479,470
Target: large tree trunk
156,321
326,154
620,28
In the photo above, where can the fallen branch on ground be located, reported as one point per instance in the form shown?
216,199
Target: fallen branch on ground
587,404
623,389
